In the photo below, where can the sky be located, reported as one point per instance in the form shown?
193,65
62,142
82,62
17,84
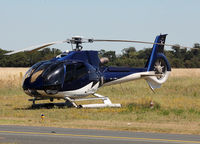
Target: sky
25,23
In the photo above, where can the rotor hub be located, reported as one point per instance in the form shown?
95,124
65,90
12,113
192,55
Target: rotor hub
77,39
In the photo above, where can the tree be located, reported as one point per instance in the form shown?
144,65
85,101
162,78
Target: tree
178,58
26,59
128,52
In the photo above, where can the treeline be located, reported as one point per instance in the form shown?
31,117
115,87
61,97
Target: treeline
26,59
178,58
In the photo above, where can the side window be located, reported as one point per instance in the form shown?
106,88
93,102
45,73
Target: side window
70,69
81,70
75,71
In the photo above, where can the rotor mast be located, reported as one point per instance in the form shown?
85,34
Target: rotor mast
77,40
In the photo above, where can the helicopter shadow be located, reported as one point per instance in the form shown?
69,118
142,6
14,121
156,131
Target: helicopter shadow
45,106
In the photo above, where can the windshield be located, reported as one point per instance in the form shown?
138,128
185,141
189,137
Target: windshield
39,71
31,70
54,75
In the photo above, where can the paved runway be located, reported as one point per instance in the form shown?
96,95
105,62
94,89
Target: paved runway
51,135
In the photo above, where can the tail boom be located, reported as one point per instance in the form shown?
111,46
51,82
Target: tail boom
155,72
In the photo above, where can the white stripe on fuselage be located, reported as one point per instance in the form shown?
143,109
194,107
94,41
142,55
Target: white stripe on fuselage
81,92
130,77
84,91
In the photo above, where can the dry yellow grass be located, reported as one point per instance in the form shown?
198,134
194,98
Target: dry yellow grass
8,74
11,76
177,105
194,72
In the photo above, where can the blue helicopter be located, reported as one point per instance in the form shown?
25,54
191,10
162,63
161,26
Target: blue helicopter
76,74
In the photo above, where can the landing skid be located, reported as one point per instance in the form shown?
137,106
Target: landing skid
106,102
49,105
72,102
34,105
35,99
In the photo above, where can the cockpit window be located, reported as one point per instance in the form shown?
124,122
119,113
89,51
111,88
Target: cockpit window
36,75
70,71
39,71
50,68
32,69
75,71
54,75
80,70
35,66
43,66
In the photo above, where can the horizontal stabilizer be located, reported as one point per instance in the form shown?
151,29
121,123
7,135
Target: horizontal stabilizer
144,75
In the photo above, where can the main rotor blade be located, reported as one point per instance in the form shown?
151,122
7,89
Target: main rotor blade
132,41
35,48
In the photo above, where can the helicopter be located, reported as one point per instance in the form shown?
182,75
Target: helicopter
76,74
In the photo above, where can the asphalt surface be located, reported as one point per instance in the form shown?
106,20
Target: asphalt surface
51,135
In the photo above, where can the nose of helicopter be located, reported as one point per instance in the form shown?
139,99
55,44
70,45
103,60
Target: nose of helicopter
48,77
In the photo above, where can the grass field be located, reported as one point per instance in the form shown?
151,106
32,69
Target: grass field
176,106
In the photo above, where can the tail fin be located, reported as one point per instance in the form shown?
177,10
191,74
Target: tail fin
158,64
155,50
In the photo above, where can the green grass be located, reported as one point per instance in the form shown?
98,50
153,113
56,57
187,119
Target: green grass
176,108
